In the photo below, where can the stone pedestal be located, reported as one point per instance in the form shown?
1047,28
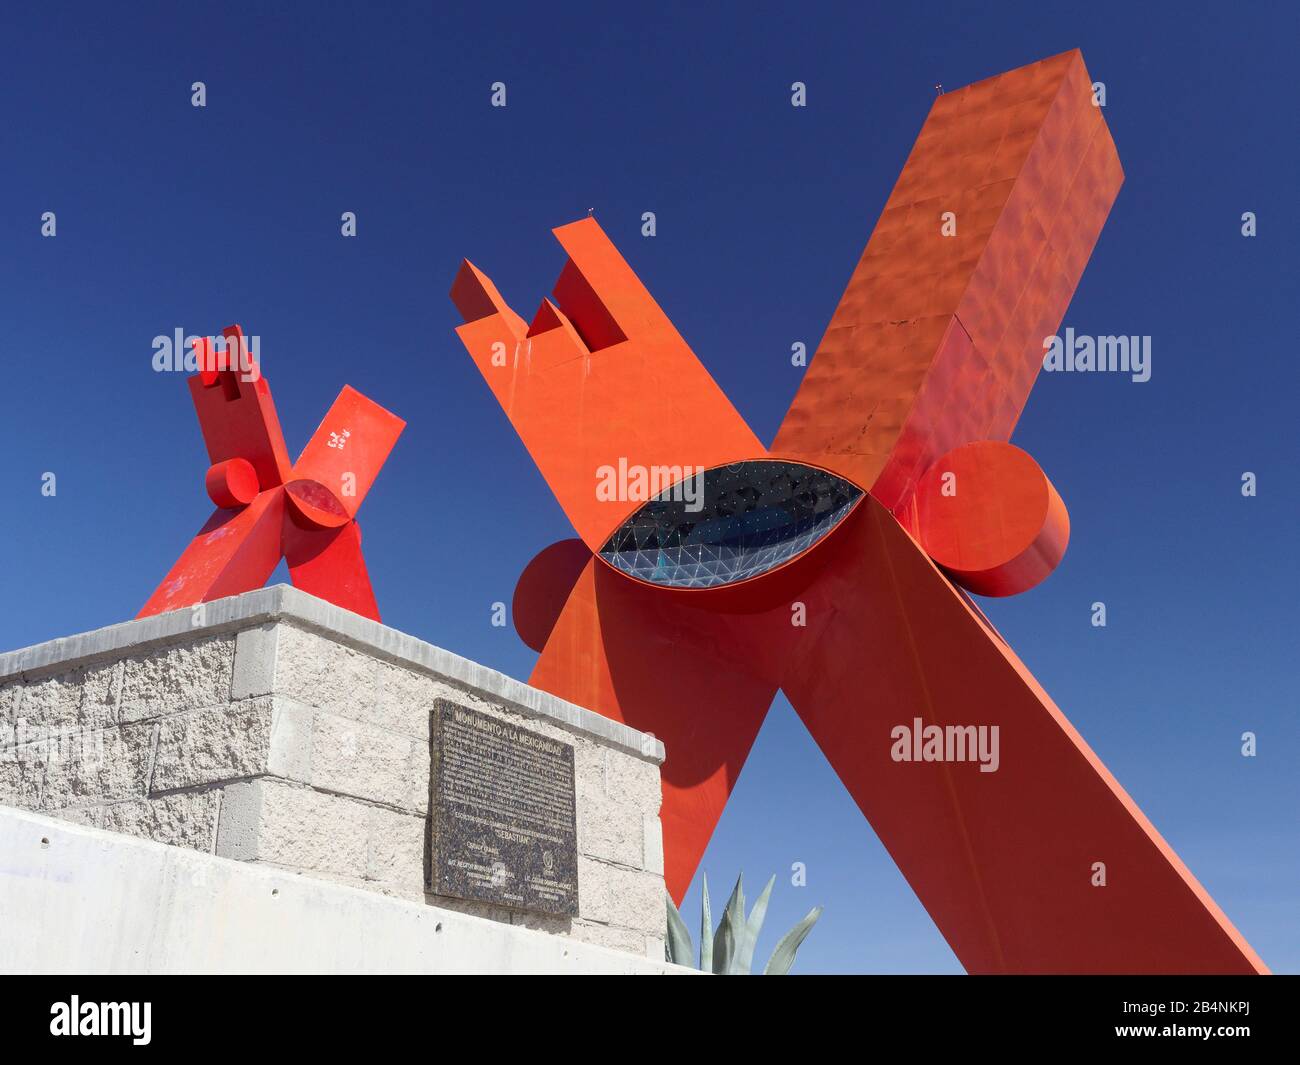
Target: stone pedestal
276,729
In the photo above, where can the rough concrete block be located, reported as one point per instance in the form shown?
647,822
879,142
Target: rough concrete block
86,697
72,767
403,700
632,780
358,759
653,835
395,849
54,700
179,678
612,831
101,695
292,726
418,777
208,746
291,825
615,895
10,691
589,773
184,819
324,674
603,935
239,821
21,780
255,656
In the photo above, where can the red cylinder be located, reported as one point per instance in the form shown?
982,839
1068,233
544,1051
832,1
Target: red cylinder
232,483
990,517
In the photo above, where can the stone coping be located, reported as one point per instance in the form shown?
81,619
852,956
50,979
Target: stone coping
281,602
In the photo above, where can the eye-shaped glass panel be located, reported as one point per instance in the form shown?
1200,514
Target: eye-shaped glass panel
730,523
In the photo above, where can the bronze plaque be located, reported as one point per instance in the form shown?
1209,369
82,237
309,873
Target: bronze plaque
502,812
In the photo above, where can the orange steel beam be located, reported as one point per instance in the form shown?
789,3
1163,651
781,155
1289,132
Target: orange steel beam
938,338
600,379
1003,861
911,397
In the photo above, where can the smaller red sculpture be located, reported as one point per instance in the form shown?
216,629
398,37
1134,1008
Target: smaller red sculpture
268,509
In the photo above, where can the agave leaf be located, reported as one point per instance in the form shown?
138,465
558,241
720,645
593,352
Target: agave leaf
745,956
677,945
706,931
724,949
730,936
783,956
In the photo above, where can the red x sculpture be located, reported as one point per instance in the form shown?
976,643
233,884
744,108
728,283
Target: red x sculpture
833,565
267,509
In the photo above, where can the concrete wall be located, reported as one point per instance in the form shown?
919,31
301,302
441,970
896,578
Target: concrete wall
78,900
276,729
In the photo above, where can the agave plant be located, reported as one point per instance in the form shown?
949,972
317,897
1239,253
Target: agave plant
730,950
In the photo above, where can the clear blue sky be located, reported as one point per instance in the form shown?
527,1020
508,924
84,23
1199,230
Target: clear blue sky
171,216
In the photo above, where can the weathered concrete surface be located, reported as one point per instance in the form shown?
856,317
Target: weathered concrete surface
78,900
277,729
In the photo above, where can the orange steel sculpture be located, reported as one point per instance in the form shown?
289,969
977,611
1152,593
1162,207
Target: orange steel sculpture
894,461
268,509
